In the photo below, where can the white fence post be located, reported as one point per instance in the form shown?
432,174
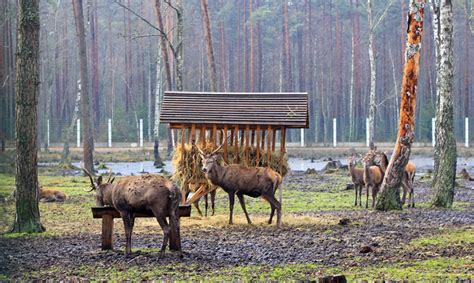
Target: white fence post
109,130
47,133
78,134
433,125
334,132
141,132
466,134
367,132
172,138
302,137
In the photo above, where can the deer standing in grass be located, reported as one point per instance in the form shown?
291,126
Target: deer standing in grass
407,179
357,175
240,180
373,177
140,194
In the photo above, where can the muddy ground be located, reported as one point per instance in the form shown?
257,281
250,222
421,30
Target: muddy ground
339,238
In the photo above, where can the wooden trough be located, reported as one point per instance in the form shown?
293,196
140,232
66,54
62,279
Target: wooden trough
207,118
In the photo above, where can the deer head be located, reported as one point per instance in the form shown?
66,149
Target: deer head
99,186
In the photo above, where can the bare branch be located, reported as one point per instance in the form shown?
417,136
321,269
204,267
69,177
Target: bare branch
384,13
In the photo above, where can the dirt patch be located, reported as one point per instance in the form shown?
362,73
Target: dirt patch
362,238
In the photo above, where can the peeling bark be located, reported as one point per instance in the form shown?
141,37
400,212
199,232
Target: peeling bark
390,190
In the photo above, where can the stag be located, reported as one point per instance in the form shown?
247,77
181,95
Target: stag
140,194
407,179
240,180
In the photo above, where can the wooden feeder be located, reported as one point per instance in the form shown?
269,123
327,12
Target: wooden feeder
206,118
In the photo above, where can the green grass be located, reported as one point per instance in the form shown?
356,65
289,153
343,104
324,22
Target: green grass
440,269
448,238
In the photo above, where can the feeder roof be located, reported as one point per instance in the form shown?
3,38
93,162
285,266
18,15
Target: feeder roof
289,109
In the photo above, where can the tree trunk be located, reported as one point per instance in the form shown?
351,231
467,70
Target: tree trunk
467,34
445,141
94,61
87,135
373,73
156,129
27,218
390,190
287,80
211,63
67,136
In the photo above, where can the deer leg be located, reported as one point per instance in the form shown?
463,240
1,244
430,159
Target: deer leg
128,222
271,213
213,200
275,205
231,205
206,205
404,194
355,188
196,205
242,204
367,199
166,232
360,195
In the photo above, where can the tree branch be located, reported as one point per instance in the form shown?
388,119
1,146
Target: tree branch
384,13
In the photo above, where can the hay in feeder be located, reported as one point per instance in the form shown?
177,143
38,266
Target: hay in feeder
184,158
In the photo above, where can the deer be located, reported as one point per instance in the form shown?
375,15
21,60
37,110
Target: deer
465,175
239,180
407,178
357,175
51,195
140,194
373,177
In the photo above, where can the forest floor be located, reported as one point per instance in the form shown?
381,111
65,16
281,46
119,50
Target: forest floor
323,233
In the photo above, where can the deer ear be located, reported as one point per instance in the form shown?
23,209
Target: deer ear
99,180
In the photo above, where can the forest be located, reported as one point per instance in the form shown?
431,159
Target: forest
258,46
128,130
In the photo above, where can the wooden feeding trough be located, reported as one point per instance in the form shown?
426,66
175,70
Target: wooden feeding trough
248,123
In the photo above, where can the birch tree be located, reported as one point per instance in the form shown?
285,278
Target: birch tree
389,198
445,143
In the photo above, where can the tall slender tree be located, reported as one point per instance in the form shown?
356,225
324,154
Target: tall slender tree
390,191
211,63
86,119
27,217
445,145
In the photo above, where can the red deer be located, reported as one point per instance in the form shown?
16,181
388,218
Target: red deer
466,175
240,180
51,195
373,177
407,180
357,175
135,194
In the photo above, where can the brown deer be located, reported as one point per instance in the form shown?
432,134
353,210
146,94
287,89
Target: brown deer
51,195
373,177
135,194
240,180
466,175
407,179
357,175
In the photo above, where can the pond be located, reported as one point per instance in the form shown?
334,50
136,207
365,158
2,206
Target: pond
296,164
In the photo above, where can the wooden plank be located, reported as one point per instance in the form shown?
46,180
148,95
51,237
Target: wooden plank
274,134
247,140
263,139
107,232
269,151
236,145
257,146
225,141
101,211
214,134
202,135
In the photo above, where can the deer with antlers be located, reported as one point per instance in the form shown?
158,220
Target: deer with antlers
240,180
140,194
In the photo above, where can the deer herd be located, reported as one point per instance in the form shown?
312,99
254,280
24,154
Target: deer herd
158,195
371,176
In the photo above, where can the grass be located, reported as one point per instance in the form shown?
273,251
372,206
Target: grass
74,216
439,270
